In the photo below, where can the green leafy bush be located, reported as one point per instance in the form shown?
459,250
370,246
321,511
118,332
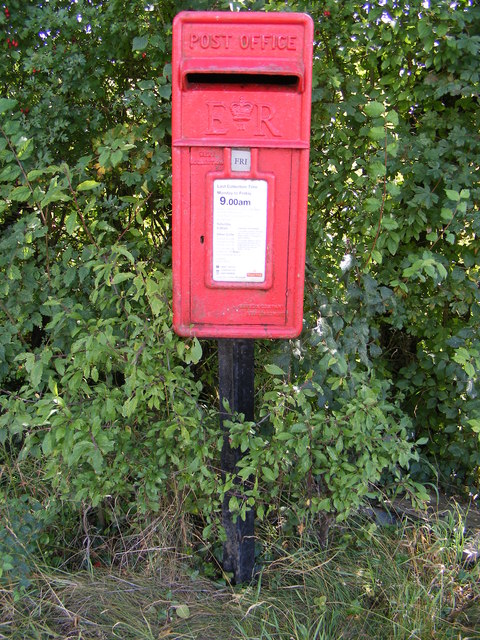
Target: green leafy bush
394,197
19,537
382,385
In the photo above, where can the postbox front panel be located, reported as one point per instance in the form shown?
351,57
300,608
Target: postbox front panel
240,173
238,283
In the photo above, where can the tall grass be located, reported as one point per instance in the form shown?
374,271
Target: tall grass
406,582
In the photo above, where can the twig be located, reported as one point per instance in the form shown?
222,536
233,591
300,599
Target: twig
77,206
29,185
444,230
12,320
382,208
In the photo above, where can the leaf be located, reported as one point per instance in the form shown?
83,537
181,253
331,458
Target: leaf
392,245
246,473
47,446
10,173
165,91
442,272
139,43
96,460
87,185
284,436
26,149
129,406
469,369
71,223
452,195
156,304
324,505
269,474
392,149
392,117
104,157
126,253
393,189
120,277
55,195
475,424
442,30
274,370
377,169
424,29
36,373
116,157
37,173
389,223
373,204
461,356
374,109
376,133
7,104
446,214
20,194
195,351
182,611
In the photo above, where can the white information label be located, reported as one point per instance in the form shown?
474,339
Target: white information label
239,230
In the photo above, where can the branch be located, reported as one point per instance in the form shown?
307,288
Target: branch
382,208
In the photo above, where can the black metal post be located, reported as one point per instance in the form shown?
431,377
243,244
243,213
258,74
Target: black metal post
236,385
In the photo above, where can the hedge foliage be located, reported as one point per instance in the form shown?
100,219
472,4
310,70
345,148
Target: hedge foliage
380,392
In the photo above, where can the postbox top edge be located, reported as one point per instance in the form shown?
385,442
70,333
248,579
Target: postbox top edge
259,17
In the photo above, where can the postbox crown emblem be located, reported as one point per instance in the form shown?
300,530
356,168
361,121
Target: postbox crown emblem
241,112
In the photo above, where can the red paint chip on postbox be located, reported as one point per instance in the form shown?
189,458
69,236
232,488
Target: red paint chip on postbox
241,97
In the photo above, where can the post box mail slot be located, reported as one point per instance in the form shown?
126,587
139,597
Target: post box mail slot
240,136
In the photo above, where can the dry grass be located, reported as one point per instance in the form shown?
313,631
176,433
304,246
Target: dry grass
116,603
408,582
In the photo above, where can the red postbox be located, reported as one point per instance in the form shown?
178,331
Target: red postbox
241,100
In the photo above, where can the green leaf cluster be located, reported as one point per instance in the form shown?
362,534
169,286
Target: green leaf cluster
394,196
